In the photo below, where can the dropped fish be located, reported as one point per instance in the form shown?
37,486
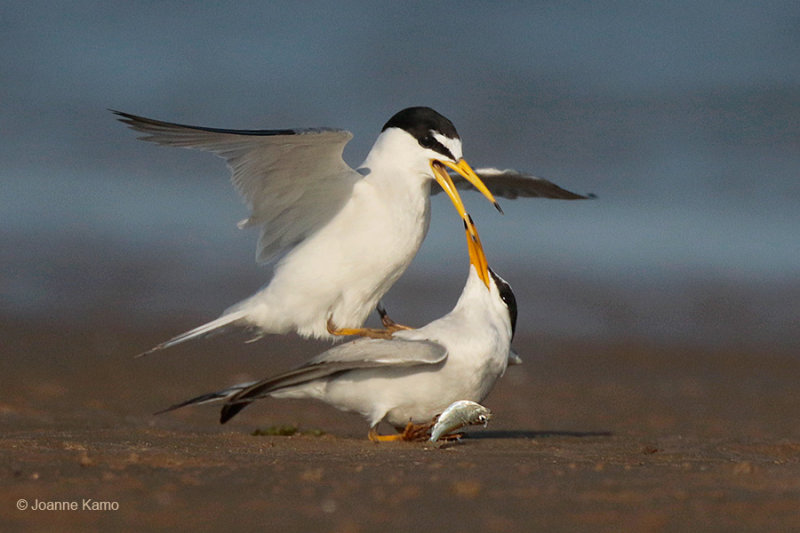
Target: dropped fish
459,414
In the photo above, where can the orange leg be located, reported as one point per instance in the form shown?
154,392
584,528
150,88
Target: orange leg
375,437
361,332
412,432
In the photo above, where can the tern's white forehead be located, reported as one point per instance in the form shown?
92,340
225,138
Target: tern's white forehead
452,145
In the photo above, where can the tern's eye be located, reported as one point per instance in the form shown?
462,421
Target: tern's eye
432,143
427,142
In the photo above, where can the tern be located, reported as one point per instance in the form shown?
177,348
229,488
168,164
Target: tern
340,236
413,376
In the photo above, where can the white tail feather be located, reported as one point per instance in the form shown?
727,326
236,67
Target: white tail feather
199,331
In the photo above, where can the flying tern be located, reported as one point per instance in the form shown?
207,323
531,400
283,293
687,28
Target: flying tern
413,376
341,236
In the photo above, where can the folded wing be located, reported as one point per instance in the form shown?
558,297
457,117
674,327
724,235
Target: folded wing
357,354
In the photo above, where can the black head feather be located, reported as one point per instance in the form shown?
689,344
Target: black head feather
420,123
507,295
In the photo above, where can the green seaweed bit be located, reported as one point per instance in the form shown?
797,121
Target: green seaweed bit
286,430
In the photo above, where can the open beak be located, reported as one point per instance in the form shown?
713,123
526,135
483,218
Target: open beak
446,182
465,171
476,256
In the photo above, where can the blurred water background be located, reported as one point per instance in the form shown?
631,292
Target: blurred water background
683,118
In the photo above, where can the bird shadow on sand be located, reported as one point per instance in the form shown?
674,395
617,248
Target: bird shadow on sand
527,434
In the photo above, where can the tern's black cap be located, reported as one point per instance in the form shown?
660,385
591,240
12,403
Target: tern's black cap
507,295
420,122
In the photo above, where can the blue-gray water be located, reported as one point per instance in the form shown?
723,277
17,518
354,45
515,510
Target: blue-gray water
684,119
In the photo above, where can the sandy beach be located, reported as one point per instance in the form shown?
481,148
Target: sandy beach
617,437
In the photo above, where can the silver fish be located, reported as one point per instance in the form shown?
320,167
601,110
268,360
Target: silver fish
459,414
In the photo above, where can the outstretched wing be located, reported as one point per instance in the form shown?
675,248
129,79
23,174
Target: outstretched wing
358,354
293,181
513,184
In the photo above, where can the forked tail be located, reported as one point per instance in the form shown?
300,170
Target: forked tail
199,331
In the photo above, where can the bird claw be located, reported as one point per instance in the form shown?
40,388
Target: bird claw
415,432
388,323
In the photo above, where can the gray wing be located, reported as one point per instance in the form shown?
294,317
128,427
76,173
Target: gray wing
380,352
358,354
361,353
513,184
293,181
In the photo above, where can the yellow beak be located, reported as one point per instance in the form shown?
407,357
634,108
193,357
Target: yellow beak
444,180
463,169
476,256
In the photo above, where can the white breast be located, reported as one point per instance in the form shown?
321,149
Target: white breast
343,270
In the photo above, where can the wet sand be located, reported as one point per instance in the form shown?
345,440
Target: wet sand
624,436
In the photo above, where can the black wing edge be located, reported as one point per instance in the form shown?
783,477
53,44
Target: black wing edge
132,120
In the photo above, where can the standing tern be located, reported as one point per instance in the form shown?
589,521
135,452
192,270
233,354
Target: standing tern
410,378
343,236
